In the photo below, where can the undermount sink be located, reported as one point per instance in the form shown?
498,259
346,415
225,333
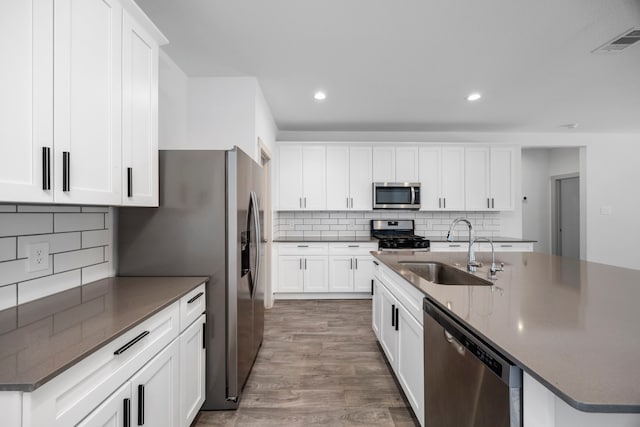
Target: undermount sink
443,274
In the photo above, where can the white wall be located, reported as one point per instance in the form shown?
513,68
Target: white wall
265,126
563,161
535,187
173,104
609,175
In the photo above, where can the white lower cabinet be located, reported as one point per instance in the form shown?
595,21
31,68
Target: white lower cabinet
192,371
156,390
400,335
113,412
154,374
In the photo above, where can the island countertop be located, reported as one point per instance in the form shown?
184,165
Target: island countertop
570,324
42,338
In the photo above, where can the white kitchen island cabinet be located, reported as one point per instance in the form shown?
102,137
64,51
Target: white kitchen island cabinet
61,122
301,175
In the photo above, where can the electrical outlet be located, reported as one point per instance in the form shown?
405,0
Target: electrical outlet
38,256
292,225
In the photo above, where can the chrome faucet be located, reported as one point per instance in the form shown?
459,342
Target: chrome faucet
471,262
493,269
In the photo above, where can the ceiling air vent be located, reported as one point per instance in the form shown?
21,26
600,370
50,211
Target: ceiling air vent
623,41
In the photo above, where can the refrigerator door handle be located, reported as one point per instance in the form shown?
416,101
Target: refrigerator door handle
258,238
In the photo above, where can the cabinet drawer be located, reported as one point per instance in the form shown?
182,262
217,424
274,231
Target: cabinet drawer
303,248
67,399
449,247
192,305
410,297
352,248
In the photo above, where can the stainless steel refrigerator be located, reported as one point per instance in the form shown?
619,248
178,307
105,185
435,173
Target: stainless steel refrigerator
209,223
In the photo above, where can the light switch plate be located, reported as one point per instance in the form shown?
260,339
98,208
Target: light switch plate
606,210
38,256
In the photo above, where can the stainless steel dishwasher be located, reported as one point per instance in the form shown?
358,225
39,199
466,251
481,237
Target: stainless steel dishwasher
467,383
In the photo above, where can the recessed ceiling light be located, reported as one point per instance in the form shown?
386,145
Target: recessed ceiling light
319,96
474,97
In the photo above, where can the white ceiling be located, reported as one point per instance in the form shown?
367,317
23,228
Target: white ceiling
407,65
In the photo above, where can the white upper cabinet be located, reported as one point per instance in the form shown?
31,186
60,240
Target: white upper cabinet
139,115
26,104
442,178
302,182
395,164
88,103
489,178
407,164
349,178
73,72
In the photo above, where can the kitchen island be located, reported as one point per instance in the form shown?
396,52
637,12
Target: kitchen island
569,324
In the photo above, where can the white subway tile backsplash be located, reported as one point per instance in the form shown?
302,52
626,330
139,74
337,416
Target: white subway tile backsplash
96,272
8,296
18,224
78,222
39,288
7,208
95,238
16,271
48,208
7,249
61,242
77,259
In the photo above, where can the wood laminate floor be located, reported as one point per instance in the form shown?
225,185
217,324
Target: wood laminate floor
319,365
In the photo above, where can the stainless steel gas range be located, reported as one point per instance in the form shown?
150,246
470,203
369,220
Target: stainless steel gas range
397,235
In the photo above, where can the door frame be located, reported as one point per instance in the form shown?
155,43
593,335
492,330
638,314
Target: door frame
266,160
556,243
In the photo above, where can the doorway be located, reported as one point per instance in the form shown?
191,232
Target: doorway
265,161
566,227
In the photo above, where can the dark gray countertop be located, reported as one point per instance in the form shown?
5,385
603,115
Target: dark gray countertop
327,239
570,324
42,338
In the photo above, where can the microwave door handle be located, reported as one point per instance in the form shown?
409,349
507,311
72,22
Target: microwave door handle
413,195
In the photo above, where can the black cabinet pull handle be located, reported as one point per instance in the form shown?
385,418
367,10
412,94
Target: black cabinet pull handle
393,315
66,171
371,286
204,335
198,295
131,343
376,262
493,205
397,323
356,259
141,404
127,412
46,168
129,182
351,264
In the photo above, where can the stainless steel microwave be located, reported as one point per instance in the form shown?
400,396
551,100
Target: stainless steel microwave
396,195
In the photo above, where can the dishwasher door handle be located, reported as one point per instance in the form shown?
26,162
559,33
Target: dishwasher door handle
451,340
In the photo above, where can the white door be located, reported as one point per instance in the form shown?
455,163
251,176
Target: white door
139,115
316,274
477,192
338,198
156,390
290,178
430,159
26,103
388,333
360,178
384,164
363,273
112,412
88,102
341,273
502,175
407,164
314,178
410,367
376,311
192,371
290,274
453,178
